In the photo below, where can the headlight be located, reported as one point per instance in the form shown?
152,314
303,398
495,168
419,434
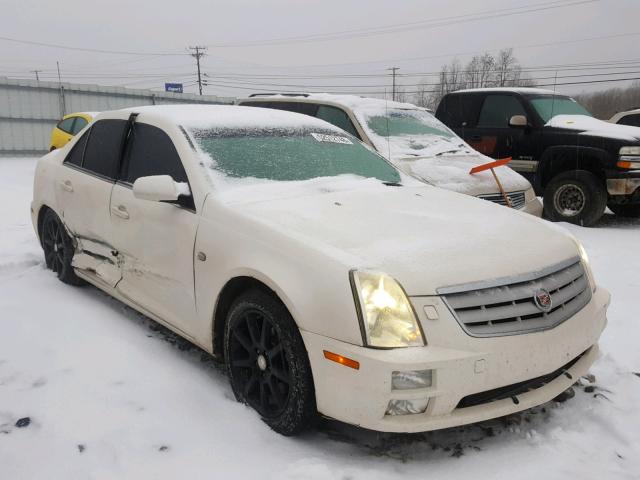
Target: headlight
386,315
587,266
629,158
633,151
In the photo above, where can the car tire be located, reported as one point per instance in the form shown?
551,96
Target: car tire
58,248
577,197
267,362
629,210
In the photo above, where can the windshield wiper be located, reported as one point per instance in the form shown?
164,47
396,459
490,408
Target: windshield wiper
392,184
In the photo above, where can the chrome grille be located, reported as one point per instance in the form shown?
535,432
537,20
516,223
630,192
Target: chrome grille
508,308
516,199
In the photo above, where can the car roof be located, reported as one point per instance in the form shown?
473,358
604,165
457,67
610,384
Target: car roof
629,112
81,114
520,90
353,102
212,116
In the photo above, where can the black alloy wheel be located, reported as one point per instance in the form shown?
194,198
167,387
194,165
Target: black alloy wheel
259,364
267,362
58,248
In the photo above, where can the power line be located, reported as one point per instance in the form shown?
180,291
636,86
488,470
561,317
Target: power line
404,27
83,49
360,92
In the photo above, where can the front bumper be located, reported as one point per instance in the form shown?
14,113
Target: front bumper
629,186
461,366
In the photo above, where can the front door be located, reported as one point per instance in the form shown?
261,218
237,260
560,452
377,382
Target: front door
492,134
155,240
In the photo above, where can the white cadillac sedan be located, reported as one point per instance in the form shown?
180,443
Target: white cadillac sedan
327,280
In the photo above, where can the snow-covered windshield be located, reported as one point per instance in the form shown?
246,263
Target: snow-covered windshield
403,132
548,106
398,122
290,154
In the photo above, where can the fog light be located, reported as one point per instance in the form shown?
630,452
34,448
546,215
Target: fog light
407,407
411,379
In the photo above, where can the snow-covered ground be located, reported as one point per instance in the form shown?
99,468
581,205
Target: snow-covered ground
109,394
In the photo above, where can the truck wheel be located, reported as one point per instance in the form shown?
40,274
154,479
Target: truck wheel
628,210
577,197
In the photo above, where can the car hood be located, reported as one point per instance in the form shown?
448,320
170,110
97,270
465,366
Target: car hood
593,127
445,162
451,171
423,236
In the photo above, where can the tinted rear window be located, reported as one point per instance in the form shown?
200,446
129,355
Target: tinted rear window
75,155
457,111
102,155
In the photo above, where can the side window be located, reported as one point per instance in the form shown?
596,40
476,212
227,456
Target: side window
102,155
631,120
498,109
459,111
75,155
337,117
66,125
151,152
79,125
297,107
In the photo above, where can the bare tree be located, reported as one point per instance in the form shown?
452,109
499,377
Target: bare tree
605,103
481,71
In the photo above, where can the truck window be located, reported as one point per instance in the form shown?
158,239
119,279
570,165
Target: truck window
497,110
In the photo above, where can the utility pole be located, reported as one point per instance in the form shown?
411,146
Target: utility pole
198,52
393,73
63,107
36,72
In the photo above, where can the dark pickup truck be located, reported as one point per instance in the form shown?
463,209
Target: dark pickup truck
578,163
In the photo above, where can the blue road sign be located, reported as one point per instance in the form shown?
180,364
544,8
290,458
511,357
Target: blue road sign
173,87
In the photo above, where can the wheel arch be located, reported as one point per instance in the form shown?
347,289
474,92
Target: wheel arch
44,208
233,288
559,159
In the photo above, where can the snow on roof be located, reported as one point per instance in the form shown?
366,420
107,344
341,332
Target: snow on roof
351,101
526,90
234,116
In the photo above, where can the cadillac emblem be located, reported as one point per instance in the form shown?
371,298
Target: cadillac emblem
542,299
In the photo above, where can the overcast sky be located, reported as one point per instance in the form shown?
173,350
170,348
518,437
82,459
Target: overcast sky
539,38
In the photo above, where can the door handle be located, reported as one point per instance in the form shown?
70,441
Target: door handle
475,138
120,211
67,185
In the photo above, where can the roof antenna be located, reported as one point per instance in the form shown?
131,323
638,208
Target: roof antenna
553,99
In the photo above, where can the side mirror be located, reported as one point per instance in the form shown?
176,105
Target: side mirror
159,188
518,121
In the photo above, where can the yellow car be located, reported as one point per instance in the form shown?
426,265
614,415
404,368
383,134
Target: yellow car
68,127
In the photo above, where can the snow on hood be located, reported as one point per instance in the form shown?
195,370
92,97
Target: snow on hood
440,160
593,127
425,237
451,172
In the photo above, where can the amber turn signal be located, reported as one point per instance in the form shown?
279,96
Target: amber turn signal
347,362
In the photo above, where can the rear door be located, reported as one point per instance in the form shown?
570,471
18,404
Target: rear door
155,240
83,189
